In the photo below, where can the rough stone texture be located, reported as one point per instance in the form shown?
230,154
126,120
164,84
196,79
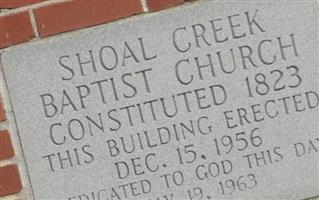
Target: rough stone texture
79,37
18,159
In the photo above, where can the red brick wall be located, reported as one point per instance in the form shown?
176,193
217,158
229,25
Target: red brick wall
25,20
10,181
54,17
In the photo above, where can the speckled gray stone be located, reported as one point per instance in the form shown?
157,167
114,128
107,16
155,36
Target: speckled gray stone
244,77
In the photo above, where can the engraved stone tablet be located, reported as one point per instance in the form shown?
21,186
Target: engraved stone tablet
212,100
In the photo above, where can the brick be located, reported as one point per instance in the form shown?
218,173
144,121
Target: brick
6,149
17,3
3,116
66,16
155,5
10,182
15,28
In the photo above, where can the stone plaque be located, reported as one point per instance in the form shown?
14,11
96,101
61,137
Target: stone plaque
212,100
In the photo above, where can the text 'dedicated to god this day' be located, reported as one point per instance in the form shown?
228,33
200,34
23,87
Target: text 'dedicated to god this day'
211,100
